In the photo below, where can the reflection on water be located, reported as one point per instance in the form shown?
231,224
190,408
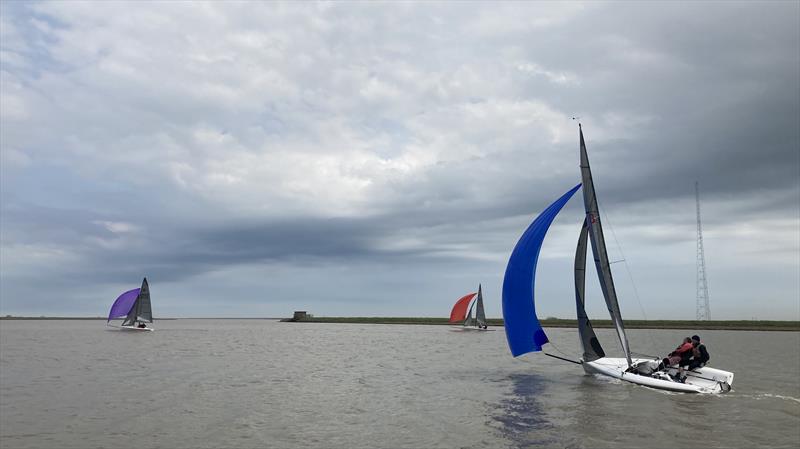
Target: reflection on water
521,414
590,406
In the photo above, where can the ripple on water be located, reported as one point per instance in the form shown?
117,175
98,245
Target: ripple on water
258,383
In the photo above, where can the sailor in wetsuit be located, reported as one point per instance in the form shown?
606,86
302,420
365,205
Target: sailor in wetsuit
700,354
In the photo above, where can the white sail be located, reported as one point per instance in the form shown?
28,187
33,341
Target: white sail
470,321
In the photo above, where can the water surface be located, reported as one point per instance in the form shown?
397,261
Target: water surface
257,383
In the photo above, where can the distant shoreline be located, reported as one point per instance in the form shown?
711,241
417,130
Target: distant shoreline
737,325
10,317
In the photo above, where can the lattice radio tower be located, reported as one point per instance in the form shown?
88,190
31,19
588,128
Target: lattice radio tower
703,310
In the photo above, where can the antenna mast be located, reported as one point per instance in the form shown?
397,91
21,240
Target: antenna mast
703,309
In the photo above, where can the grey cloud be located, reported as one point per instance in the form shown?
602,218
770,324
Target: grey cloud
308,137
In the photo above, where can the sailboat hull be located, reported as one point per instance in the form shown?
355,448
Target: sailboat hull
139,329
701,380
469,329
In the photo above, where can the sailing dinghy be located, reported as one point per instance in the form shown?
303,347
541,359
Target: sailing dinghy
524,332
462,312
134,305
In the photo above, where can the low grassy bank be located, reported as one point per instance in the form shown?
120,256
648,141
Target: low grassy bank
739,325
744,325
10,317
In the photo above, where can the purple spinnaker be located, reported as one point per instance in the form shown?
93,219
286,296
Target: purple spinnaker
122,306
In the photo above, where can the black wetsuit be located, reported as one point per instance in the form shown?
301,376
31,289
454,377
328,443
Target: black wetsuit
697,362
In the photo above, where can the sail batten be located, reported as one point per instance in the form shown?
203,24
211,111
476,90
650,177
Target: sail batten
599,248
523,330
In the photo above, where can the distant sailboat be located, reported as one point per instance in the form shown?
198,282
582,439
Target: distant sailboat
462,312
135,306
524,332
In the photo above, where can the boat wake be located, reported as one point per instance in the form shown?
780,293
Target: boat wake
761,396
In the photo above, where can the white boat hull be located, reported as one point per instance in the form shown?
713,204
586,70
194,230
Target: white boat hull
134,328
469,329
700,380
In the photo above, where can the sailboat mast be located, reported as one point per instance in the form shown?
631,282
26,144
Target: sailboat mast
599,249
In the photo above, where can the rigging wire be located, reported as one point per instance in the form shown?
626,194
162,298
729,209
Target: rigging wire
628,270
560,351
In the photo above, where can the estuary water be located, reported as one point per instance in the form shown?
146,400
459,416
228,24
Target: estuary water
259,383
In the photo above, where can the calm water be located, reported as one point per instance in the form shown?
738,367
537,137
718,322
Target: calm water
251,384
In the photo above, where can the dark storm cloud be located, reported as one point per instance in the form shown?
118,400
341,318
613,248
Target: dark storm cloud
310,137
718,86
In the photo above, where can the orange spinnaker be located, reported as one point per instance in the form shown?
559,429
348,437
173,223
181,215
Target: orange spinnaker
459,312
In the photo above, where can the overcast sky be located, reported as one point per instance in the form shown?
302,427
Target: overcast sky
382,159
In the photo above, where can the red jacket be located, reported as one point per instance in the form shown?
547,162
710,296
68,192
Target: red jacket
683,348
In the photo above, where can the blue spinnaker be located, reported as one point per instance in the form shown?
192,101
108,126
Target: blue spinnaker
523,331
